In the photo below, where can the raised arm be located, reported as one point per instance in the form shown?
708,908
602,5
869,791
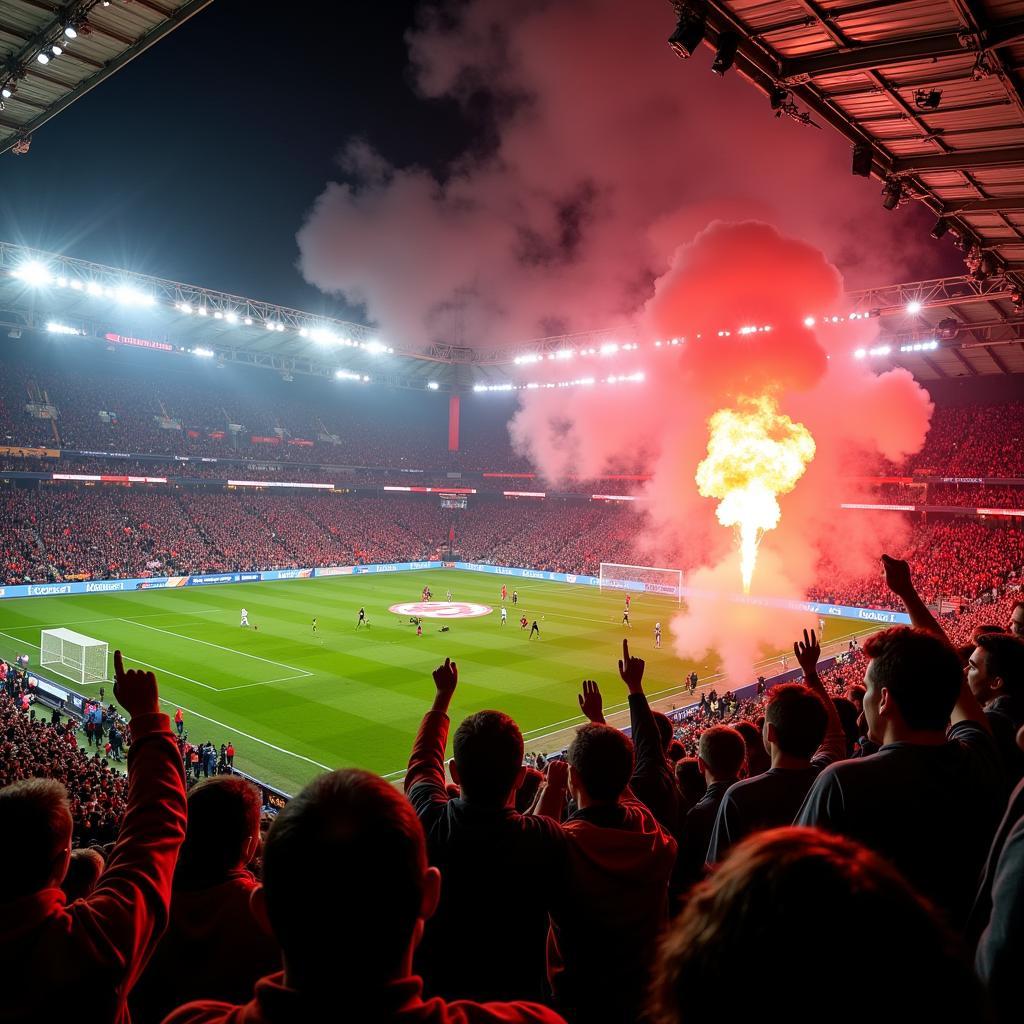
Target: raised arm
653,781
898,580
127,912
551,798
897,577
808,653
426,763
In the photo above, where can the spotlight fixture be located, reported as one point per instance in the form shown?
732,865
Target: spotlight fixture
689,33
43,58
725,54
927,99
1017,298
941,227
777,97
56,50
862,157
947,329
892,193
5,92
71,32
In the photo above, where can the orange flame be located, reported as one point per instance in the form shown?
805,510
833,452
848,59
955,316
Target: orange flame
754,454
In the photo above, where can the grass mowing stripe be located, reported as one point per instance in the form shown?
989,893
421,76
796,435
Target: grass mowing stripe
361,694
230,650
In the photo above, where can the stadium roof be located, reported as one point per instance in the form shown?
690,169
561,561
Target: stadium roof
930,93
83,43
947,327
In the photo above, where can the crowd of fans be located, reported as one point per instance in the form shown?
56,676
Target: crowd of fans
57,534
958,560
632,879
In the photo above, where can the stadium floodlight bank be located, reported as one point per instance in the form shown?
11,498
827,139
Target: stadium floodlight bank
644,579
73,655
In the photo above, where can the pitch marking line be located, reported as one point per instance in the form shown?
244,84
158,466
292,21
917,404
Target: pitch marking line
298,672
206,718
248,736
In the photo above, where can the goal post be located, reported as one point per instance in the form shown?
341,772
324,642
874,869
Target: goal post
643,579
75,656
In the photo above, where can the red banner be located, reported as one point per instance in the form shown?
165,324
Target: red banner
216,435
265,440
301,442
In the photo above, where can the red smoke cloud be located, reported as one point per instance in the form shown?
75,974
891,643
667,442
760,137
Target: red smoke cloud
608,153
610,157
733,275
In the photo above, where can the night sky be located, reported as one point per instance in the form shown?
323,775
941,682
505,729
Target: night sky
198,161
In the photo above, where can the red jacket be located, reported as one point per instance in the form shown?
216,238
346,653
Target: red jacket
213,948
400,1003
605,930
88,955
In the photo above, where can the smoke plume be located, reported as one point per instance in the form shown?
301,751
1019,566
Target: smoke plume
617,186
603,153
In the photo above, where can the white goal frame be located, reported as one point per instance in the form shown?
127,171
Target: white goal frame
75,656
642,579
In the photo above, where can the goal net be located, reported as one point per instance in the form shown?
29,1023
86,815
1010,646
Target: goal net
73,655
644,579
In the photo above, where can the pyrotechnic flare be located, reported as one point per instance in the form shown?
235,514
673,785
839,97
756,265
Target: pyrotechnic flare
754,454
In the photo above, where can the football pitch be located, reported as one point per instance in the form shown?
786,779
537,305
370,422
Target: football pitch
295,702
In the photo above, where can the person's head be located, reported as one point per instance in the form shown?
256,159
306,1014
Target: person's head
996,667
664,724
757,758
600,764
35,816
989,628
692,783
856,694
84,870
532,781
848,718
721,752
223,831
347,856
488,758
772,895
912,682
795,721
1017,619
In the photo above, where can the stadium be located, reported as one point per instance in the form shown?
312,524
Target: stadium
608,546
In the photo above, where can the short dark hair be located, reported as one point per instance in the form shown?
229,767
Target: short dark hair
988,628
84,870
799,718
856,692
488,751
849,718
1005,654
722,749
921,671
223,816
347,855
773,891
35,819
665,730
692,783
603,759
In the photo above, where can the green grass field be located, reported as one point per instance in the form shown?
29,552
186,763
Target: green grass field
295,702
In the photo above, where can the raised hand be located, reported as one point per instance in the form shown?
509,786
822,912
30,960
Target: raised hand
631,670
897,576
807,652
558,774
591,703
134,690
446,678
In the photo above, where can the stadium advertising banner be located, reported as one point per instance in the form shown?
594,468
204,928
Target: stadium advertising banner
218,579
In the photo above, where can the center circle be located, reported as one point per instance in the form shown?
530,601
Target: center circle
442,609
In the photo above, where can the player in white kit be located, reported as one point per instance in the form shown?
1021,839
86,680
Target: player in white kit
657,635
245,617
504,615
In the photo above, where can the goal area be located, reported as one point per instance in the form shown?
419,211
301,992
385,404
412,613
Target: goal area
75,656
644,579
